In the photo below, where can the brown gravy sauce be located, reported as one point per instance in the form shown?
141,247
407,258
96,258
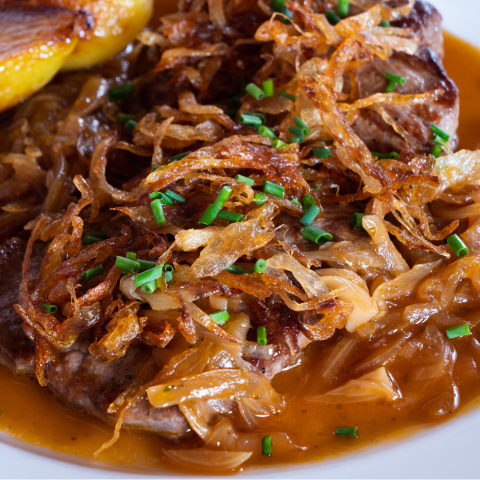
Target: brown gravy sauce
32,414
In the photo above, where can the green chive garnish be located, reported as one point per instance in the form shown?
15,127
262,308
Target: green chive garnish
282,93
148,275
267,446
267,132
332,17
223,196
235,270
395,78
164,199
246,180
385,156
250,119
279,144
357,218
89,240
49,308
121,92
460,331
230,216
168,269
220,317
322,153
260,266
210,215
262,335
301,124
439,141
123,118
155,168
299,132
295,202
346,432
298,139
92,273
308,201
254,91
457,245
438,131
130,125
175,196
131,256
277,5
268,88
150,286
343,7
316,235
146,265
310,216
437,151
157,211
273,189
101,235
178,157
259,198
130,266
384,24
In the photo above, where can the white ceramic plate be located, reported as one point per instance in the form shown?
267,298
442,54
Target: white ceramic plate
446,451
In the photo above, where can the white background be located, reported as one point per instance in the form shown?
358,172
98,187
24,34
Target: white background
448,451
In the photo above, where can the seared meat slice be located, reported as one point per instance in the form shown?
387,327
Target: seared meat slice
16,350
423,73
81,380
426,22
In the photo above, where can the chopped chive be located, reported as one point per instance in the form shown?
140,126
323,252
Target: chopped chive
332,17
178,157
357,218
384,24
273,189
457,245
121,92
150,286
220,317
131,256
390,87
262,335
223,196
164,199
90,240
316,235
267,446
49,308
299,132
210,215
148,275
127,265
267,132
260,266
343,6
250,119
322,153
311,215
102,235
123,118
259,198
279,144
92,273
439,141
146,265
440,132
230,216
236,270
460,331
393,155
295,202
385,156
268,88
437,151
155,168
308,201
246,180
284,94
346,432
157,211
254,91
316,187
301,124
175,196
130,125
298,139
168,269
277,5
288,13
395,78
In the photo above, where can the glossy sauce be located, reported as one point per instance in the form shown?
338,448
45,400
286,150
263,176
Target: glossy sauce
32,414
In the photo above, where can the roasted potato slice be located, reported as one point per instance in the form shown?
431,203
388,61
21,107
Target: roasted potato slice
34,43
107,27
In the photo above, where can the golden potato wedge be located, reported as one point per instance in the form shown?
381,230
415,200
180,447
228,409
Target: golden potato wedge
108,26
34,43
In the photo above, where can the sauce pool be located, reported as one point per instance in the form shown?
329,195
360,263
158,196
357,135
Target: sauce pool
32,414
